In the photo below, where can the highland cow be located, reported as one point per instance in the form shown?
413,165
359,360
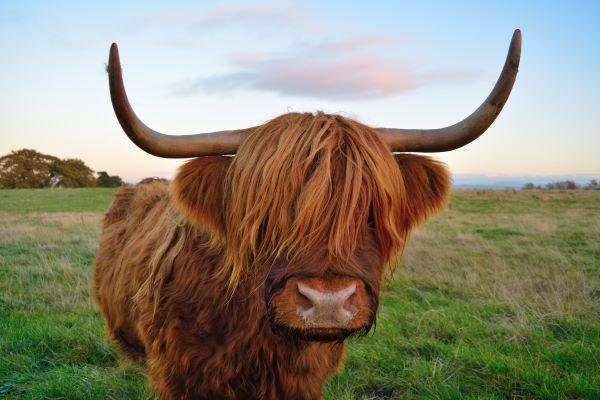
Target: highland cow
242,278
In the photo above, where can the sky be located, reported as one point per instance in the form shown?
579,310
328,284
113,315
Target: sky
192,66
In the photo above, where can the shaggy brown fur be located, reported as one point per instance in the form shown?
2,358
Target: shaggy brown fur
190,278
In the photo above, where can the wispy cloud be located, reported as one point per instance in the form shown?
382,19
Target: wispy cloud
345,69
282,13
232,13
358,66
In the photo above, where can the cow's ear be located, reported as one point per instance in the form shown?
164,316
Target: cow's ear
427,183
198,191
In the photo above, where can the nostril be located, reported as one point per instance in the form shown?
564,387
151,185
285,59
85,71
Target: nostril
346,293
302,301
351,304
313,295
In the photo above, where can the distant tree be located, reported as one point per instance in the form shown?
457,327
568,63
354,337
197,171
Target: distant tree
528,186
562,185
105,180
72,172
26,168
593,185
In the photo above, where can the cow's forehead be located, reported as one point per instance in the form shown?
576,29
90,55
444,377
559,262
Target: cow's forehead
306,181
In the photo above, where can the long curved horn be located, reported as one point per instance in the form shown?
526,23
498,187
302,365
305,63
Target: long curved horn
156,143
470,128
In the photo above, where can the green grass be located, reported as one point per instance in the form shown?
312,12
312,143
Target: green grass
497,297
55,200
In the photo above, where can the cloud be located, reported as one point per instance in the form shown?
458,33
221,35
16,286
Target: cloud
357,43
358,66
232,13
348,69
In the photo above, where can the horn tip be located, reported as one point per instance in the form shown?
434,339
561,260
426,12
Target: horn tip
114,51
517,35
514,52
113,57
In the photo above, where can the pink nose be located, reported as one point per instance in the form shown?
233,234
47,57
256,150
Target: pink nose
326,309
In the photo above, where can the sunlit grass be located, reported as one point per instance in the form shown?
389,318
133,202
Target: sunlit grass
497,297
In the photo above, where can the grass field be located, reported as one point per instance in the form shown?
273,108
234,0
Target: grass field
497,297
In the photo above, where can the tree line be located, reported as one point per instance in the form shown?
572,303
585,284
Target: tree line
563,185
30,169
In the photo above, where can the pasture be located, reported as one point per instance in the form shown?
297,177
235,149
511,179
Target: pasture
497,297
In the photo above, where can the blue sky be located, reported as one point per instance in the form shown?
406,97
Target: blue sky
200,66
